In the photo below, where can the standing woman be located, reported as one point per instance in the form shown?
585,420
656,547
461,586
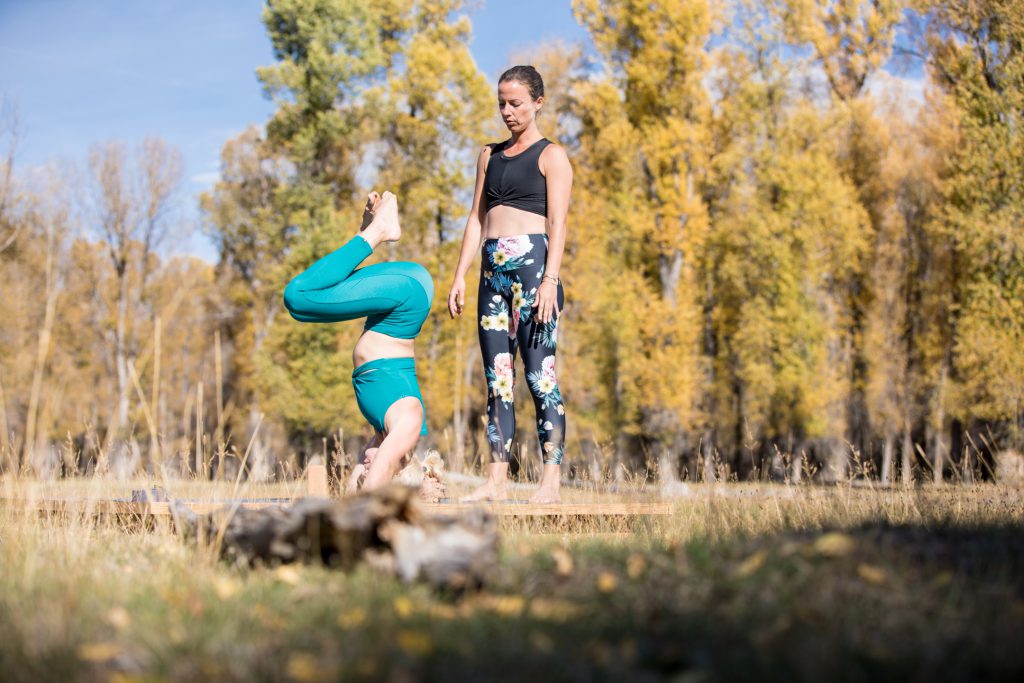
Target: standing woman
519,207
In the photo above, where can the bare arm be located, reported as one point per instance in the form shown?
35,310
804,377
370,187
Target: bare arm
363,462
554,164
402,423
471,238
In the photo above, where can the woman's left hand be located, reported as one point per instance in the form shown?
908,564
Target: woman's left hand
546,302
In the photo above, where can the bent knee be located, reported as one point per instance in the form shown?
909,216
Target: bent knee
294,299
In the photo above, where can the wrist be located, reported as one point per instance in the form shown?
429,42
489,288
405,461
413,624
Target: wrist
553,279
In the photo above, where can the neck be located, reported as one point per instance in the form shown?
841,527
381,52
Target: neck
529,135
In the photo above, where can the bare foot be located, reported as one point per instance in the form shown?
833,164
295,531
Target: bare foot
372,202
487,491
545,495
550,483
385,226
494,488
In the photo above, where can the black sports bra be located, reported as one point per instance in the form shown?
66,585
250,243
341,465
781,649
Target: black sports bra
516,181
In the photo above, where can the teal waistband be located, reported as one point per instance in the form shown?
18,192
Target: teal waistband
385,363
379,383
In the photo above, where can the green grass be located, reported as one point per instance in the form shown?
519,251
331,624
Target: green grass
739,583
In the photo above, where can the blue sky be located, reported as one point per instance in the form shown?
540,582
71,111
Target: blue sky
85,71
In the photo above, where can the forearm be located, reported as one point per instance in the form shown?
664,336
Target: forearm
372,444
386,463
556,231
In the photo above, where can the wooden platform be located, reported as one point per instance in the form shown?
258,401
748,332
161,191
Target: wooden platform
316,485
163,509
569,509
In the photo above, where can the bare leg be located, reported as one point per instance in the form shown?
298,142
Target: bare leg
550,483
495,486
321,294
402,423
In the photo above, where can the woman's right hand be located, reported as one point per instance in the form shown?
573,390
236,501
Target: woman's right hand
457,297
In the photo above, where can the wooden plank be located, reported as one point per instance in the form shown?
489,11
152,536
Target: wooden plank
572,509
124,508
163,509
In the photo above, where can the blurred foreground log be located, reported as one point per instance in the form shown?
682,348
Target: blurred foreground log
385,528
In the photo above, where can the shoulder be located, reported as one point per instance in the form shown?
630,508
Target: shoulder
483,156
495,147
554,158
489,150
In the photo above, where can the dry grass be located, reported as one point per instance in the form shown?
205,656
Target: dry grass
740,582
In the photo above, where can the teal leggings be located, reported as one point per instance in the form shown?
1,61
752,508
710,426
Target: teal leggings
395,299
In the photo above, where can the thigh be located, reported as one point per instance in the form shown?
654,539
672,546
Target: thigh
411,288
405,413
360,295
496,347
537,339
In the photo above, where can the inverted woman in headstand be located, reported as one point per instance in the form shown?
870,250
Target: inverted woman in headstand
395,299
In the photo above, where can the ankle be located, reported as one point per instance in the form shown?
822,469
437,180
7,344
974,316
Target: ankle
372,236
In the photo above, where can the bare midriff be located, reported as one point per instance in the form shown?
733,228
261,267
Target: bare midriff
507,221
374,345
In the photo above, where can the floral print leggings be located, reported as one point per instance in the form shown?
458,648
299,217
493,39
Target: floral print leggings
511,272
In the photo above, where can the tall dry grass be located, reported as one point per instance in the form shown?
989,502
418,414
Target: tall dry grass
714,589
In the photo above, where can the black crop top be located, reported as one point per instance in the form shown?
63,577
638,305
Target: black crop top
516,181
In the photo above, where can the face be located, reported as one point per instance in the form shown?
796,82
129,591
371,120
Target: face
517,108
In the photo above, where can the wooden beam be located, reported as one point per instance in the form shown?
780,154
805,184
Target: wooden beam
163,509
127,508
568,509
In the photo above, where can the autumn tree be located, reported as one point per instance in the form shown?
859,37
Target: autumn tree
431,112
130,204
787,237
8,148
41,220
644,149
977,59
380,94
850,41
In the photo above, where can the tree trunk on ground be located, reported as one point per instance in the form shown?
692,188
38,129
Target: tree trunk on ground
385,528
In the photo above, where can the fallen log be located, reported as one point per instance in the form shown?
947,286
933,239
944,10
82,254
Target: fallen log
386,528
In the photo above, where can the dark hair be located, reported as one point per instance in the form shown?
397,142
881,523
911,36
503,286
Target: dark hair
528,76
